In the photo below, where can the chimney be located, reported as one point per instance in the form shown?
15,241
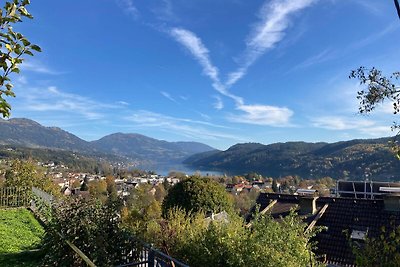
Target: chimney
308,205
391,198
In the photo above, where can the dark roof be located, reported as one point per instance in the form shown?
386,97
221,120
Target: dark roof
342,216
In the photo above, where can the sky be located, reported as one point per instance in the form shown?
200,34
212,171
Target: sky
217,72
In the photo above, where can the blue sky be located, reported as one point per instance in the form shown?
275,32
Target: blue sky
218,72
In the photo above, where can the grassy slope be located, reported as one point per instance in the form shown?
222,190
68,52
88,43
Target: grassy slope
19,232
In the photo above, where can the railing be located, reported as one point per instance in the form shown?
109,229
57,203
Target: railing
14,196
41,204
143,255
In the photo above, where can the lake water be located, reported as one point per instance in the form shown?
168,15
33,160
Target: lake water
165,169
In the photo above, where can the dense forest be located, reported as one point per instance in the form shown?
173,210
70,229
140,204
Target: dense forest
355,159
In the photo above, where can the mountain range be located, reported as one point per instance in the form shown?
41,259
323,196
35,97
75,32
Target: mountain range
354,159
131,147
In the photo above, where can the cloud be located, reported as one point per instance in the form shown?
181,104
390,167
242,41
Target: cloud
185,127
323,56
386,107
341,123
274,20
123,103
195,46
377,131
218,104
51,99
38,67
129,7
263,115
168,96
372,38
165,11
370,6
254,114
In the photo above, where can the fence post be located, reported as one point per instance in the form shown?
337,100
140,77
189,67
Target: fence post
151,258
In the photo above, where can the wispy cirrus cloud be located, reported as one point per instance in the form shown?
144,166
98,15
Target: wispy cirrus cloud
123,103
274,20
129,7
168,96
373,7
38,67
340,123
185,127
165,11
218,104
263,115
51,99
377,131
197,49
329,54
252,114
323,56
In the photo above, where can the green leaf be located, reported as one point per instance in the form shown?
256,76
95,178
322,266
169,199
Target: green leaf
28,52
25,41
36,48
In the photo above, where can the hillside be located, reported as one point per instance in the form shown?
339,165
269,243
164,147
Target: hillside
140,149
349,159
28,133
140,146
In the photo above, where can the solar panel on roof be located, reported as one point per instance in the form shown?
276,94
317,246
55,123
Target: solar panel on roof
389,189
363,189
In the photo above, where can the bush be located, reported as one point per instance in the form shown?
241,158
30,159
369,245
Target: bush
198,194
89,225
198,242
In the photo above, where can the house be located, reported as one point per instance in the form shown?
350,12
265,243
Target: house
346,220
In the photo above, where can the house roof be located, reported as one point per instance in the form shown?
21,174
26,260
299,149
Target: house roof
342,217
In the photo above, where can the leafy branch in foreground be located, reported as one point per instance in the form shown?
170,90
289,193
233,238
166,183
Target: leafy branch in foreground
380,88
13,46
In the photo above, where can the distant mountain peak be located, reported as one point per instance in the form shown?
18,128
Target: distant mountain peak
133,146
23,121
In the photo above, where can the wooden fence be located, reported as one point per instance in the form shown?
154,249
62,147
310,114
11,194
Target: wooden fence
14,197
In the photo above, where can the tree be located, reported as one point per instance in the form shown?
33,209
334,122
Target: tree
245,200
195,194
382,250
98,190
111,187
28,174
13,46
141,210
160,193
379,90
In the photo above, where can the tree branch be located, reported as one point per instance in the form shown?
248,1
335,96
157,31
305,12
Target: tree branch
396,3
